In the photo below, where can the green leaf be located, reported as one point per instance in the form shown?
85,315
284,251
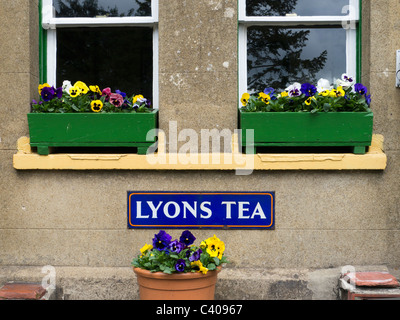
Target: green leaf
211,266
167,270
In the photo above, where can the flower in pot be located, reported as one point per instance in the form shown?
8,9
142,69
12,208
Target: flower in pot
84,116
308,115
83,98
178,269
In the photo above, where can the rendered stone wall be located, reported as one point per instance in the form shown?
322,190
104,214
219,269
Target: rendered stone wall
78,218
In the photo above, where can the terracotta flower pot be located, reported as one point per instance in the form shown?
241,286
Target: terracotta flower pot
179,286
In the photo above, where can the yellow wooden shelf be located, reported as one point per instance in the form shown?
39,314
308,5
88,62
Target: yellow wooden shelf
374,159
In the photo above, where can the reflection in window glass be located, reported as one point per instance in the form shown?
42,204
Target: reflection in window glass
277,57
119,58
300,7
110,8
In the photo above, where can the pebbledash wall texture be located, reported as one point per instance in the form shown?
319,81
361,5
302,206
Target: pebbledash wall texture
76,221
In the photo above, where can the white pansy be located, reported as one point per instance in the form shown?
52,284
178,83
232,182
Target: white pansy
66,86
323,85
345,82
294,89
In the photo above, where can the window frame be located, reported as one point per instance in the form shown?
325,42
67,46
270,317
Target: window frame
49,24
353,35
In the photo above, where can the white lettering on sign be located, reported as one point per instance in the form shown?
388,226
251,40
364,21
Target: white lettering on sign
173,209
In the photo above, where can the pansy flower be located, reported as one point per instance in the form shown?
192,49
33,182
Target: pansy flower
358,87
294,90
95,89
47,93
96,105
199,265
215,247
264,97
176,246
138,98
161,240
106,92
41,86
59,92
123,94
187,238
368,99
345,82
180,265
195,255
284,94
116,99
82,87
245,98
74,92
323,85
66,85
308,89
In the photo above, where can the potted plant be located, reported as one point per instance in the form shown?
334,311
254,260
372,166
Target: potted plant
308,115
178,270
85,116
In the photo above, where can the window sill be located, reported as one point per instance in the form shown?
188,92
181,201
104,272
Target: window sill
374,159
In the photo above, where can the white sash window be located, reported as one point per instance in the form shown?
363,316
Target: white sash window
110,43
281,42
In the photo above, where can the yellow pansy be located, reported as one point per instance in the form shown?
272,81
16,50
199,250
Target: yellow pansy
82,87
340,92
41,86
95,89
198,264
325,93
74,92
308,101
284,94
264,97
245,98
138,97
145,248
96,105
215,247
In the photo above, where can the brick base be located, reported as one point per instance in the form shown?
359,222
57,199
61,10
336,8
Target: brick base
22,291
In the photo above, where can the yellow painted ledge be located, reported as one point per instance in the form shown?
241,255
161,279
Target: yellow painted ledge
374,159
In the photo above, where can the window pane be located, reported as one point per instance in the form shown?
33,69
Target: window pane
277,57
119,58
110,8
301,7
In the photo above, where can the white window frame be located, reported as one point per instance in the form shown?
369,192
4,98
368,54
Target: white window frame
50,23
350,21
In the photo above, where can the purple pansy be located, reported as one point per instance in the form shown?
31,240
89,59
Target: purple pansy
176,246
161,240
195,255
123,94
180,265
308,89
358,87
47,93
187,238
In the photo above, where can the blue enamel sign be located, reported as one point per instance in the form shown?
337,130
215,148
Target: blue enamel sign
214,210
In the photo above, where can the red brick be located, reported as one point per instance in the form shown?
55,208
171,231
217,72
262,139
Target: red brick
22,291
372,279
